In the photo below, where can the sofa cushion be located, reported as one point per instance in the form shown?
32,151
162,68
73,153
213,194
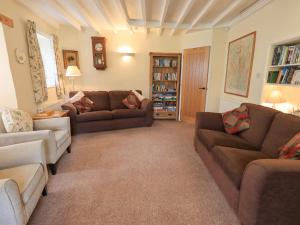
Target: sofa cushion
283,129
211,138
27,177
116,98
131,101
292,149
61,136
127,113
261,118
94,116
234,161
236,120
85,104
100,99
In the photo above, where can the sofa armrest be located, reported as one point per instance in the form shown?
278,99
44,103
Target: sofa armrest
21,154
11,207
209,120
54,124
147,105
269,192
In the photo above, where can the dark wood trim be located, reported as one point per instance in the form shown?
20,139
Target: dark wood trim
53,168
6,21
69,149
251,64
45,191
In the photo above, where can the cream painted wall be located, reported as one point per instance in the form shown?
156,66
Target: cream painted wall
16,38
8,96
277,21
120,74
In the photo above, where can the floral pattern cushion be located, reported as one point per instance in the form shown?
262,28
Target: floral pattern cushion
84,105
16,120
131,101
236,120
292,149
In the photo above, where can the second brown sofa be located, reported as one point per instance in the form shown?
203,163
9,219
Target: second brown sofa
109,113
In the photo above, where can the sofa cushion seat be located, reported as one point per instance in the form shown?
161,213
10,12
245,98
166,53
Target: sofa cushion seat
127,113
27,177
233,161
94,116
211,138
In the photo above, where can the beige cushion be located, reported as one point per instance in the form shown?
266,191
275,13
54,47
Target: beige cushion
61,136
27,177
138,95
79,95
16,120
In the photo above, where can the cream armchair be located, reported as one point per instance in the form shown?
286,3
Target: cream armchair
55,132
23,178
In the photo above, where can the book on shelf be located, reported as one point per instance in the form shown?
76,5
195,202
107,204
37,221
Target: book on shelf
272,76
165,62
286,75
285,55
164,76
296,78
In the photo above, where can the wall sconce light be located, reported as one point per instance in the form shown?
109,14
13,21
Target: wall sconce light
126,53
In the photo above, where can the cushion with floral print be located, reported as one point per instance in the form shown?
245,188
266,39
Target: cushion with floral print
292,149
84,105
16,120
236,120
131,101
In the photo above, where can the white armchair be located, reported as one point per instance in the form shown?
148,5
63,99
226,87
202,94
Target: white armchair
55,132
23,178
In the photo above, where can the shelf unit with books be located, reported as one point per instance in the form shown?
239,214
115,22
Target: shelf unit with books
165,84
284,68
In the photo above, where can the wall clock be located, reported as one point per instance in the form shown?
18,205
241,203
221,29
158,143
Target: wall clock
99,52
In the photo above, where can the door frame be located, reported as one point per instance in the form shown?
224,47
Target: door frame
208,76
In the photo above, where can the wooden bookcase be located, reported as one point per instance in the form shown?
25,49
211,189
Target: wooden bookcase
165,84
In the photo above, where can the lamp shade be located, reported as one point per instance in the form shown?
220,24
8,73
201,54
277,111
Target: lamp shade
275,97
73,71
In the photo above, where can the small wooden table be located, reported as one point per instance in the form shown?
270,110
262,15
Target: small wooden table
51,114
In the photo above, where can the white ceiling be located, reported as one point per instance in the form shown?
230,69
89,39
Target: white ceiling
162,16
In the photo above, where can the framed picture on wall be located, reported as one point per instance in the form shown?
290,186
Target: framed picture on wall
239,65
70,58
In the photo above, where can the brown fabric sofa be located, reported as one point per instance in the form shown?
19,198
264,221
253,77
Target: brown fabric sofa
109,113
262,189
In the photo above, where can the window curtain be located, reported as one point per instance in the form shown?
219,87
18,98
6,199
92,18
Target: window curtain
60,86
36,64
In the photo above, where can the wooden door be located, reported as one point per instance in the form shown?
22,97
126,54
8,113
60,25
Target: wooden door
194,82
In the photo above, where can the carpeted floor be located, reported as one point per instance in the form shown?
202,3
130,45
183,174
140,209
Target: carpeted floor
141,176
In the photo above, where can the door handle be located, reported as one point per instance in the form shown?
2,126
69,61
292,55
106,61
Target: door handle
203,88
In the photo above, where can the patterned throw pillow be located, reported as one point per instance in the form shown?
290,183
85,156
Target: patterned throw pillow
138,95
16,120
84,105
131,101
236,120
292,149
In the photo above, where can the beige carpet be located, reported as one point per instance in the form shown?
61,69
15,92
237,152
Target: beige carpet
141,176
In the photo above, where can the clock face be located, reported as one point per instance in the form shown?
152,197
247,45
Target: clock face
98,47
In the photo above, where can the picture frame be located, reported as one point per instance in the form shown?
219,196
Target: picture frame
70,58
239,65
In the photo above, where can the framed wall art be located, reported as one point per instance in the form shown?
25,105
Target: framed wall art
239,65
70,58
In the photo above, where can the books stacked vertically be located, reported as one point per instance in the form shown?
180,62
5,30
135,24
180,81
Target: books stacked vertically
163,62
286,75
164,76
285,55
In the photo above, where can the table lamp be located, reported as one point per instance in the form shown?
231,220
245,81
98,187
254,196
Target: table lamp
72,72
275,97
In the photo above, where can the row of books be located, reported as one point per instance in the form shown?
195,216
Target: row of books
286,55
164,76
287,75
166,109
163,88
163,62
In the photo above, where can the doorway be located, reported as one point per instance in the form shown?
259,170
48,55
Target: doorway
194,82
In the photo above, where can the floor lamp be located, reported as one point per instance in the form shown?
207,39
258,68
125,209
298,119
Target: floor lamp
275,97
72,72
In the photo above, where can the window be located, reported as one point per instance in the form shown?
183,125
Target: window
48,57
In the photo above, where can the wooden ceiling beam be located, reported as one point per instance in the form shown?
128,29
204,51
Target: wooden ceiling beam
224,13
188,6
68,17
124,13
163,15
105,13
144,14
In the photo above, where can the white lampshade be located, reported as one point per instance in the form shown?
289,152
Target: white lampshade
73,71
275,97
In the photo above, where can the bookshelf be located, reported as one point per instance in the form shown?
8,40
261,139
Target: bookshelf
284,66
165,84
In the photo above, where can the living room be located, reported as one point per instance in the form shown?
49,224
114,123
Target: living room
149,112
